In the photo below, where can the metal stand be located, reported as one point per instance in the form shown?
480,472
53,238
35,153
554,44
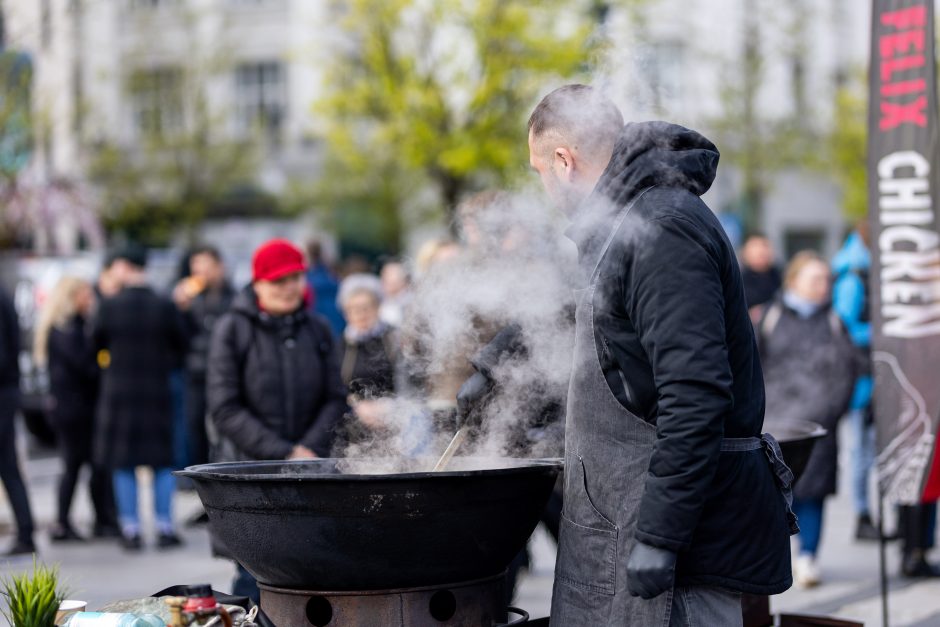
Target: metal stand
882,557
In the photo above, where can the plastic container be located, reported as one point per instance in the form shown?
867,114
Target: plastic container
109,619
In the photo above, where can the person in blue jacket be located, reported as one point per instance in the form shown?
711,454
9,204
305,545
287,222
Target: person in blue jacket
325,287
850,299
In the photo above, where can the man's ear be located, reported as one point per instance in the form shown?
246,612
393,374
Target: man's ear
563,161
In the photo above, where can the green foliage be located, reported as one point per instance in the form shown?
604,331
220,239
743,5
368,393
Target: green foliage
438,92
168,180
32,599
16,133
756,144
846,148
183,161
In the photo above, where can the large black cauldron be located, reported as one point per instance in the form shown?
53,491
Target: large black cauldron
330,524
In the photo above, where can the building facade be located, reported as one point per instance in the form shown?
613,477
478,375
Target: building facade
116,70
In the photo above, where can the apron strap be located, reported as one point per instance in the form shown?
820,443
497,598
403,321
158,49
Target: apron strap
739,445
613,232
784,477
782,473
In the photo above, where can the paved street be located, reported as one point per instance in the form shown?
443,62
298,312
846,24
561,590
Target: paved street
100,572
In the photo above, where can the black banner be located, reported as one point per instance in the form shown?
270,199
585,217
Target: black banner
905,247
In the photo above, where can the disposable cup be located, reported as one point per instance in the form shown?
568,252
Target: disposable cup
67,608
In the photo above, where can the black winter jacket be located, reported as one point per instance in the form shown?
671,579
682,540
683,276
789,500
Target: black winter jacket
273,382
368,366
73,374
809,372
9,344
144,334
678,349
206,309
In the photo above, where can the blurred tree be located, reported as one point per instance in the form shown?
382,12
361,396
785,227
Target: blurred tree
846,148
759,145
16,132
437,93
183,159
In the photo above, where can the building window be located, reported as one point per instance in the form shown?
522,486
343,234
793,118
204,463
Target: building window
157,100
260,97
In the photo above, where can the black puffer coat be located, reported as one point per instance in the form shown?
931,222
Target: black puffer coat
368,364
273,383
809,374
206,309
73,376
9,344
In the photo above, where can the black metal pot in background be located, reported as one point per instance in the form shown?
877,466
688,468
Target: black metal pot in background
797,439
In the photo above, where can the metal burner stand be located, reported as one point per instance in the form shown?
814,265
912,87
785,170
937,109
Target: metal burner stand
480,603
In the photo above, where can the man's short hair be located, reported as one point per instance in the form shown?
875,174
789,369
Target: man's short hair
581,115
134,254
206,249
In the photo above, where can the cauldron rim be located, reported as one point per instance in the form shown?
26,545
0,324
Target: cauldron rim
217,471
813,430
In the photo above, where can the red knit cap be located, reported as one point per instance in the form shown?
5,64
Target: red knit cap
276,258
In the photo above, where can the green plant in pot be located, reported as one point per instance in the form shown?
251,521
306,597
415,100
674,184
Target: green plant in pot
32,599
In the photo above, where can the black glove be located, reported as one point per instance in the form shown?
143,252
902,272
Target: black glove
650,571
471,393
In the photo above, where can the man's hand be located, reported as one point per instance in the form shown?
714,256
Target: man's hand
183,296
371,412
650,571
471,393
301,452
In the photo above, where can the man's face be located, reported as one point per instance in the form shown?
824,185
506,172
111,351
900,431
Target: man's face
556,176
207,268
758,254
281,296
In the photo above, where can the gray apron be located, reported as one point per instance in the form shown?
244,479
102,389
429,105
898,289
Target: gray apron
607,457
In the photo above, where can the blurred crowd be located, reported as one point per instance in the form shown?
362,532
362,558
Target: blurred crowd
813,329
291,366
304,356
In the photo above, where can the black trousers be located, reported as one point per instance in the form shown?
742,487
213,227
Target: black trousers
196,419
916,527
75,442
10,467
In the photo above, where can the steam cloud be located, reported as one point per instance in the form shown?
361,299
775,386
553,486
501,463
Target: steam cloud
516,269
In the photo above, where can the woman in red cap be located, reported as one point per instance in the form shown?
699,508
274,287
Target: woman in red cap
274,387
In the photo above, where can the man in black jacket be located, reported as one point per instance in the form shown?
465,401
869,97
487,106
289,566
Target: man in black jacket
669,486
203,297
9,401
139,337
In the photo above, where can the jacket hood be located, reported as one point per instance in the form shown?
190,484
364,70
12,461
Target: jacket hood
853,255
658,153
646,154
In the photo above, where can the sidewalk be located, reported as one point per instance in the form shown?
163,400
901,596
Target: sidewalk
100,572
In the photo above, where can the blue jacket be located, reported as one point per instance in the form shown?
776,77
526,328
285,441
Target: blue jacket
850,267
325,289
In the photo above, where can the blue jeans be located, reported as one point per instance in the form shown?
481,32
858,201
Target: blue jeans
245,585
125,494
810,513
863,457
705,606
